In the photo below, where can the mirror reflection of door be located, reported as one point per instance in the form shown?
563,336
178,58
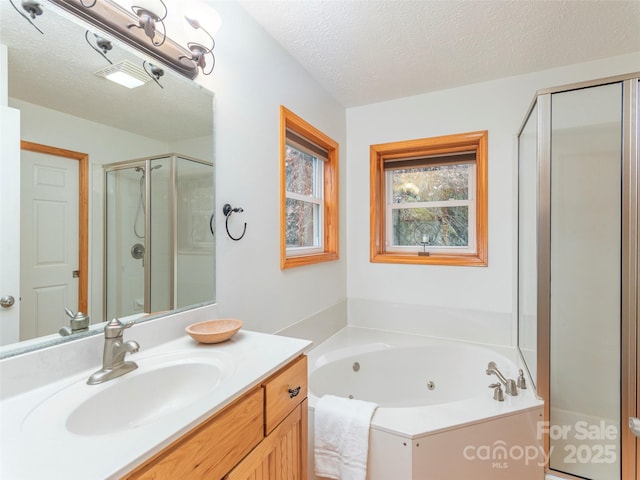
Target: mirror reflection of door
53,229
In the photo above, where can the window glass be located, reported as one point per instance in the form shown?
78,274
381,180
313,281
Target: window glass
431,184
430,205
302,224
301,172
437,227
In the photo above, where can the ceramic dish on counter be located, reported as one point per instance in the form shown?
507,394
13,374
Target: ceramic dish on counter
214,331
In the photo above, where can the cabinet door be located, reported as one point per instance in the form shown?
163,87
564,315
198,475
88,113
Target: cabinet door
213,448
282,455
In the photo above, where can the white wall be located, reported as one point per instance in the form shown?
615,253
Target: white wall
253,76
497,106
4,83
200,147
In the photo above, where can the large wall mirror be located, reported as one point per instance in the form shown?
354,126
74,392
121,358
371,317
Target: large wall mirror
147,180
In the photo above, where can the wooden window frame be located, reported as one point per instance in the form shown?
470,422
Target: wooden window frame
291,121
444,145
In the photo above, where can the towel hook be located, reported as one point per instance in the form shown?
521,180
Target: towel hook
227,210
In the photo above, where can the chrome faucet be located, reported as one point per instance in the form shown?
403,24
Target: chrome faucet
509,384
79,322
113,364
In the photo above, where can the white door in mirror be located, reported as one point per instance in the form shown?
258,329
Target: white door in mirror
49,235
10,221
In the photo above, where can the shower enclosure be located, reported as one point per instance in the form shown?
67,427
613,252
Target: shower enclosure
159,241
578,273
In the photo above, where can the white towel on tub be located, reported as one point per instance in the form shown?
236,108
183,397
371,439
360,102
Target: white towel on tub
341,436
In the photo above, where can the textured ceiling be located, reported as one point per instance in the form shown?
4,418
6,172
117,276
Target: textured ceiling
361,51
366,51
55,70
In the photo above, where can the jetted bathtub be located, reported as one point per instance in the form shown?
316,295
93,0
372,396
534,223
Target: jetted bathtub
436,417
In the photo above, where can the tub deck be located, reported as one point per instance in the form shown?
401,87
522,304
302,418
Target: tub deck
475,437
416,422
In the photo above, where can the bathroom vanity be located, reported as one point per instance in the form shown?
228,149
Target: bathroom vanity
188,411
270,421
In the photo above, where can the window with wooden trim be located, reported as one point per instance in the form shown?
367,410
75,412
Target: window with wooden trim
308,193
429,201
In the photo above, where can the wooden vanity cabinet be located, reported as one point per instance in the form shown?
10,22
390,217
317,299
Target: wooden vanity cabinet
260,436
282,455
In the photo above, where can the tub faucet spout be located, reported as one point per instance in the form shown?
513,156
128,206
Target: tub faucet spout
509,384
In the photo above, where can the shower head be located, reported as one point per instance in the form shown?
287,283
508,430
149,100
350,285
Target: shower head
142,169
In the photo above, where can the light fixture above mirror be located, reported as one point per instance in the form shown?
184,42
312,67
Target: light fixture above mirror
143,27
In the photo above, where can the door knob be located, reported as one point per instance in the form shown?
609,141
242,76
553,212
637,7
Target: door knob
6,302
634,425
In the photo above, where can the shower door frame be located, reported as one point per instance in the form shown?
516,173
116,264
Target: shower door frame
173,240
631,269
145,162
630,283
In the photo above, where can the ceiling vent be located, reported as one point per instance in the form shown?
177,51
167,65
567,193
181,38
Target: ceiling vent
124,73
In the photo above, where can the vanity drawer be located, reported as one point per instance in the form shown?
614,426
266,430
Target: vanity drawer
283,392
211,450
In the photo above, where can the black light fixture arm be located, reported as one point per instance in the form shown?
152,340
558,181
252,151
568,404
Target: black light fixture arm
32,8
227,210
154,72
103,45
149,21
200,52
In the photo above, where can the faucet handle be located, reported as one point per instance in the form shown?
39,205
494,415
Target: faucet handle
498,394
75,316
522,383
115,327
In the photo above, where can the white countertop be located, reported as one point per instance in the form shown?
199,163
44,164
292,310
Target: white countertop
49,454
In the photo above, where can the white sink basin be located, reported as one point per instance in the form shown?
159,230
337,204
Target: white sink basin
161,386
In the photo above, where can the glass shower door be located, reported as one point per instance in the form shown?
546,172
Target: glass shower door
125,241
195,253
527,243
585,282
159,274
